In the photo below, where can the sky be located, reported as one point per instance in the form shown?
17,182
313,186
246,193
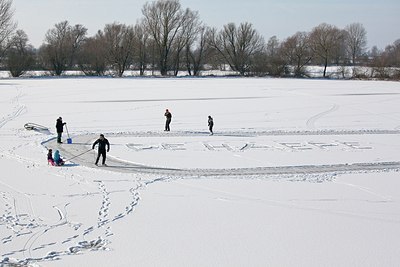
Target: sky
281,18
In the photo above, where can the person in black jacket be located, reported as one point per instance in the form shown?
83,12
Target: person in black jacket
102,144
60,127
210,124
168,115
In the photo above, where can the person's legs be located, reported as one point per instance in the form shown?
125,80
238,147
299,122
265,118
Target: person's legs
167,125
103,153
59,137
98,157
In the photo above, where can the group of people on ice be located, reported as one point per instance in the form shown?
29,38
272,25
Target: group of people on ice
102,142
168,117
56,160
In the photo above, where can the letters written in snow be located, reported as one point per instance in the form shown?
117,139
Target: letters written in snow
243,147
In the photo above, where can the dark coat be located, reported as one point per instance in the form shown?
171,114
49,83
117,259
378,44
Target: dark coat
168,115
60,126
210,122
102,144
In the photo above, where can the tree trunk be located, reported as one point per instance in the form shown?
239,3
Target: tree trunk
326,65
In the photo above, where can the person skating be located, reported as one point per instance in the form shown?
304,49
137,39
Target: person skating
102,144
210,124
168,117
60,128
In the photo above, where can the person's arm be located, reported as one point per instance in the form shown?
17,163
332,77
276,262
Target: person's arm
95,143
108,146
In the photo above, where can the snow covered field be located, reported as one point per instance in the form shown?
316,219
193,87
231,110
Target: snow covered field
298,173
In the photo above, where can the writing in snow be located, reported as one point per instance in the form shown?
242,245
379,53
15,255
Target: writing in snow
237,146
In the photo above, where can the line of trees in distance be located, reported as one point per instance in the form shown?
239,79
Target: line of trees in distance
169,39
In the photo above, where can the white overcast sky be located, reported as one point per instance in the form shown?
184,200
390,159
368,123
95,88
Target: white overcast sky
281,18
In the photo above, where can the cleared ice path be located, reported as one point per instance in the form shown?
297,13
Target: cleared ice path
82,143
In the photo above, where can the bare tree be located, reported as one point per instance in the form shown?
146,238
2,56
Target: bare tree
190,28
276,65
62,45
164,19
297,52
272,46
392,52
77,37
386,64
20,55
141,53
237,45
325,42
119,42
92,57
355,40
196,51
260,64
7,25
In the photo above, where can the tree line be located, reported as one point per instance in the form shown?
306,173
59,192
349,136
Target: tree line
169,39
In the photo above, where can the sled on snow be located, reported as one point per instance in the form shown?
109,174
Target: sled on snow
53,163
35,127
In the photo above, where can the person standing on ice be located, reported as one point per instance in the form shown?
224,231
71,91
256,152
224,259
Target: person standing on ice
168,116
210,124
102,144
60,127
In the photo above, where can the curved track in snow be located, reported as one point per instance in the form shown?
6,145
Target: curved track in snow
311,121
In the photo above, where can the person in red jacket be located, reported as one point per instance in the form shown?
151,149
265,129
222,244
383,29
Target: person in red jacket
50,159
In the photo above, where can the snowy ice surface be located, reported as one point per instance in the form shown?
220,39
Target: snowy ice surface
297,173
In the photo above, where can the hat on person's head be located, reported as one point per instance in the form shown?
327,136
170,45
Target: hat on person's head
102,135
59,118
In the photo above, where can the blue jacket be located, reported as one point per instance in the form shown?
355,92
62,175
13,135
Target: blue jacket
57,157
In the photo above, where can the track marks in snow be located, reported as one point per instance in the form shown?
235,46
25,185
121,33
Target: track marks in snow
104,209
14,114
107,214
311,121
30,244
243,133
18,224
304,170
17,109
369,191
118,200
